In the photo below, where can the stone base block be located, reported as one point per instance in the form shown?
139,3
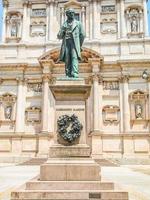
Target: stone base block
69,185
70,170
60,151
69,195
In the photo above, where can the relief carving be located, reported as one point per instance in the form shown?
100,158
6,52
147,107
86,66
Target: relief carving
108,8
35,87
110,85
38,29
111,115
39,12
33,115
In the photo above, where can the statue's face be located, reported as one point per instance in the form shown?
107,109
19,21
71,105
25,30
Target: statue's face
70,14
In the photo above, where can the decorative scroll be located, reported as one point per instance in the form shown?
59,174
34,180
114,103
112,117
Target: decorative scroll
111,115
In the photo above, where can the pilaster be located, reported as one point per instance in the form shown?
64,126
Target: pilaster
126,111
45,103
148,82
5,8
20,106
145,18
122,19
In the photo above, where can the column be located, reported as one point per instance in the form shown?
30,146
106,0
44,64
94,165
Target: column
126,108
95,20
118,18
91,19
45,103
145,18
5,8
20,107
62,15
149,100
122,20
97,102
47,21
51,20
25,25
121,104
83,18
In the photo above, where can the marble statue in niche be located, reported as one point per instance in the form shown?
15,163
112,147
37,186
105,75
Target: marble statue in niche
134,24
138,111
8,112
14,30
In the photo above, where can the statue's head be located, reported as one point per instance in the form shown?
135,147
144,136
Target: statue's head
70,13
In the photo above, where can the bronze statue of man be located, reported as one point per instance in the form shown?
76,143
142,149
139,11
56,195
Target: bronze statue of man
73,36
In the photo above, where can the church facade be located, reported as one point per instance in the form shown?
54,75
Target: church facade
112,98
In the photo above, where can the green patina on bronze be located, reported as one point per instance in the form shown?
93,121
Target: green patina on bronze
73,36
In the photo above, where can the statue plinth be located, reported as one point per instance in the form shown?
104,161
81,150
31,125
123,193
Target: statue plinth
69,173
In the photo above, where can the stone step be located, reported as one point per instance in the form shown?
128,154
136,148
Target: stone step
69,195
69,185
70,170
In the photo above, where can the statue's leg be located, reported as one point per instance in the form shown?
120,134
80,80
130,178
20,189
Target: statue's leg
75,63
68,59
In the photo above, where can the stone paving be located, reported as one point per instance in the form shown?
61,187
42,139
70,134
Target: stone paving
135,179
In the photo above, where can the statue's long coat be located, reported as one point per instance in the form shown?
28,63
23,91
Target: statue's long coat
77,35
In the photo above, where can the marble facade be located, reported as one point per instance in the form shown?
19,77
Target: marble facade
115,111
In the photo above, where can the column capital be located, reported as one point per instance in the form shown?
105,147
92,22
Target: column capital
95,78
124,78
46,77
20,80
1,81
25,2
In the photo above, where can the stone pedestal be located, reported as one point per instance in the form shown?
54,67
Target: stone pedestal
69,173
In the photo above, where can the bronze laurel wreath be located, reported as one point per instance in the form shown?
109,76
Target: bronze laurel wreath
72,123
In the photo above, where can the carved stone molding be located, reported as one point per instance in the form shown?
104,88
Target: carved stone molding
111,115
124,78
33,115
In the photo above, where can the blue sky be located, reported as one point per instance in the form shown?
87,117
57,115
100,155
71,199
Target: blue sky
1,15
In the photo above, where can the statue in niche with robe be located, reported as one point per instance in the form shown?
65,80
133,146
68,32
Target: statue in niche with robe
73,36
